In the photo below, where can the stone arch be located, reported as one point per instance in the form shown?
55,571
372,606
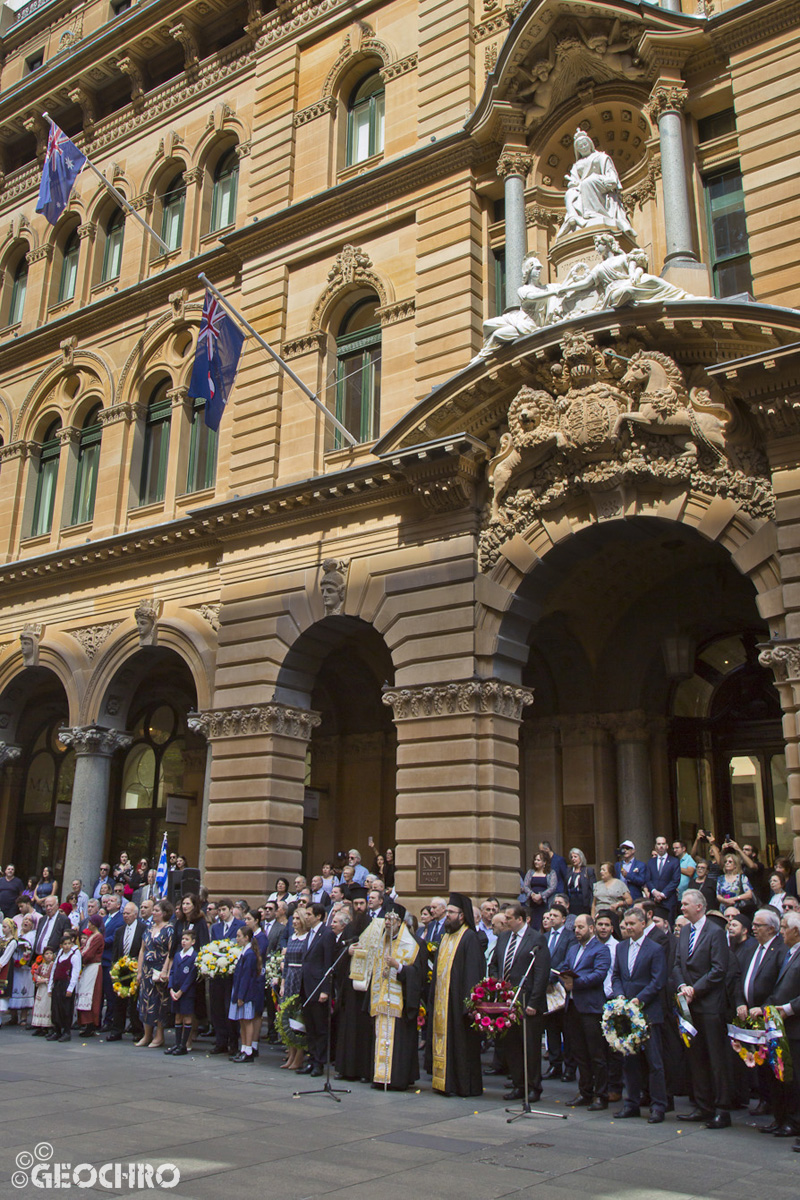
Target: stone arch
358,47
352,272
71,363
173,156
59,654
180,630
143,359
6,419
19,231
223,125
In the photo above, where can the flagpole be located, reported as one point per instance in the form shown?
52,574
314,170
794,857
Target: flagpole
120,199
346,434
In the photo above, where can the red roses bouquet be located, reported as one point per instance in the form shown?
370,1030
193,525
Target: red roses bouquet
492,1008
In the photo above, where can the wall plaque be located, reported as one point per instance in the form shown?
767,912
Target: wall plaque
433,871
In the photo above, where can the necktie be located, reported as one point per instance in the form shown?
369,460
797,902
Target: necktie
510,952
751,978
633,951
578,957
553,940
129,938
692,937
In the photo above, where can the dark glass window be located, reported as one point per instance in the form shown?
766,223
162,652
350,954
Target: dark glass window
358,371
730,254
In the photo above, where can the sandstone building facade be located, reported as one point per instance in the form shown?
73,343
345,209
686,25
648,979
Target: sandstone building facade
499,617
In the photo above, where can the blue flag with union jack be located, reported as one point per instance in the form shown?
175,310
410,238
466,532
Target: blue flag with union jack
63,163
219,345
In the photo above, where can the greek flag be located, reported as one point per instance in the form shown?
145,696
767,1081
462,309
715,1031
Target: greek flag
219,345
63,163
162,872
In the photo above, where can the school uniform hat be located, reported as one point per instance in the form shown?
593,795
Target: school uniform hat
458,900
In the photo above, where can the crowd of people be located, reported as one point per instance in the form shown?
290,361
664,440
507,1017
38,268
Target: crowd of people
345,977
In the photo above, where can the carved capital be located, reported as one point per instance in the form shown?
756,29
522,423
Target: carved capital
476,697
9,753
178,396
278,720
121,412
665,100
39,253
94,739
145,200
313,342
128,65
87,230
783,659
400,310
320,108
543,218
628,726
194,175
514,162
20,450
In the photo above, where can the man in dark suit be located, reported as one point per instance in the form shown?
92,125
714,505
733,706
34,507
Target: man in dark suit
559,940
557,864
786,998
760,959
51,928
113,922
277,935
127,941
511,957
640,972
226,1032
700,976
630,870
587,964
317,959
662,877
435,928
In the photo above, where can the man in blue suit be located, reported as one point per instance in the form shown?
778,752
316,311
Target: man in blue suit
587,964
226,1032
662,877
113,922
640,972
315,990
630,870
559,942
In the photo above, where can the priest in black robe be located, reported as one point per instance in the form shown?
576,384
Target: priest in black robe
354,1034
453,1047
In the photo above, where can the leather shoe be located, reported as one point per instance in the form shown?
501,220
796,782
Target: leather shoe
771,1128
627,1112
553,1073
720,1120
492,1071
52,1036
218,1050
786,1131
569,1076
579,1101
114,1037
695,1117
514,1094
179,1050
171,1050
534,1097
241,1057
598,1105
760,1110
655,1118
315,1072
306,1070
65,1037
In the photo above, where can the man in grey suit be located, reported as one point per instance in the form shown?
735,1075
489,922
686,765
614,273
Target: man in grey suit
51,928
700,976
786,998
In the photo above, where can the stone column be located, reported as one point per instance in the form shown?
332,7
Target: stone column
94,747
681,264
634,783
12,777
783,658
458,781
588,781
198,724
257,787
14,480
513,167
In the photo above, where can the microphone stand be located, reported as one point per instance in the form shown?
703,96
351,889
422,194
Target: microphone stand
526,1110
327,1089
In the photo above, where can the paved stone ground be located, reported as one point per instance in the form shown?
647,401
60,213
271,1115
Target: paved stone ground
237,1132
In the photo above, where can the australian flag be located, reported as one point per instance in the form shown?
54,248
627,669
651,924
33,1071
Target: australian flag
219,345
162,871
63,163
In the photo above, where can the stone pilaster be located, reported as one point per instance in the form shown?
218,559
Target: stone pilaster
458,780
513,167
94,748
631,733
588,779
783,659
198,724
257,786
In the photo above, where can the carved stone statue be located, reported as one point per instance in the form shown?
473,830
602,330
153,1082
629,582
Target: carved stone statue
332,586
539,306
594,192
146,614
619,278
29,643
663,405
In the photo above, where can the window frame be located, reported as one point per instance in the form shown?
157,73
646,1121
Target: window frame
70,261
46,481
203,450
16,305
114,245
218,197
84,492
373,104
153,475
367,343
174,192
718,262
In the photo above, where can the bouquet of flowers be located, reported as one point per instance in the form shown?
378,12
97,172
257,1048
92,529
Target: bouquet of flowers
624,1025
218,958
778,1054
289,1023
123,974
749,1040
421,1016
23,954
273,967
492,1007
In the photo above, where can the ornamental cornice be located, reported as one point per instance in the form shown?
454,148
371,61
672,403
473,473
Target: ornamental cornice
783,659
666,100
473,697
313,342
129,411
514,162
93,739
401,67
320,108
400,310
278,720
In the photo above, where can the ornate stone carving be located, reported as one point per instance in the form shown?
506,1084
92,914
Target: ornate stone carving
401,67
146,614
594,192
39,252
128,65
544,218
9,753
320,108
473,696
783,659
313,342
489,58
401,310
601,422
92,637
129,411
333,584
85,100
177,303
68,347
29,639
666,99
276,719
209,612
183,33
540,305
93,739
351,266
514,162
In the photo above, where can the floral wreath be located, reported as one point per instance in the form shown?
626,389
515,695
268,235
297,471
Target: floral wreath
124,976
492,1008
763,1039
217,959
273,969
289,1010
624,1025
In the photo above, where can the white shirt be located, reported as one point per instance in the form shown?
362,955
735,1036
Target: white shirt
787,1009
633,954
612,944
74,955
758,957
127,940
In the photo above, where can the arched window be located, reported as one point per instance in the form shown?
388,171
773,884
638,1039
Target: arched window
86,474
46,480
153,480
112,251
69,267
365,120
223,196
173,202
19,286
202,467
358,371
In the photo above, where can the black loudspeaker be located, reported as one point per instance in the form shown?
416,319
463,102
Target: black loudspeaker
190,881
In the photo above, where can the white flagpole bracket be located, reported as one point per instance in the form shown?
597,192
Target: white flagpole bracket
326,412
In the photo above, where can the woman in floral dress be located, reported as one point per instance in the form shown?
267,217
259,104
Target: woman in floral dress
155,960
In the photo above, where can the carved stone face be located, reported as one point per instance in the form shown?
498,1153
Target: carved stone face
332,596
584,146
